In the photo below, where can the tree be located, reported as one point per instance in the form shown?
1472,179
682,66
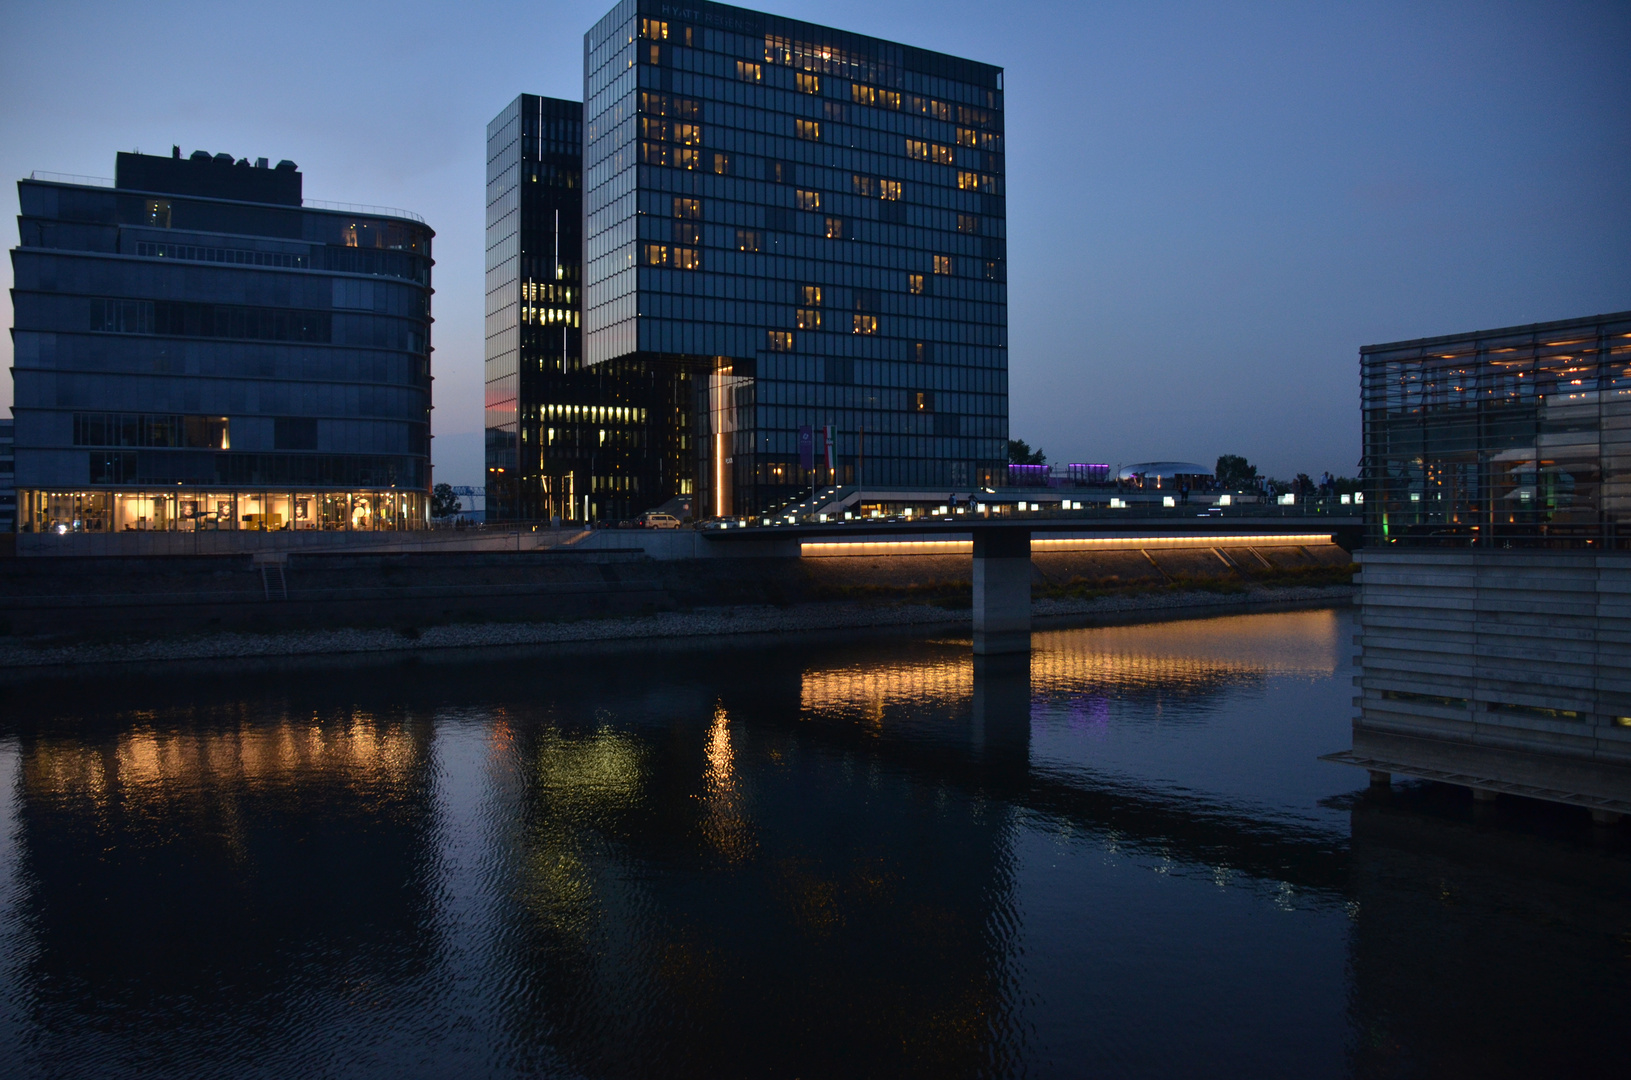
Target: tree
1020,453
1234,471
443,503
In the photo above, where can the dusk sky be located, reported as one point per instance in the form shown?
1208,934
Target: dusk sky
1211,207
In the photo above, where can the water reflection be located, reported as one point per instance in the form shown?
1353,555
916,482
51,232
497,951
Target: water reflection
867,857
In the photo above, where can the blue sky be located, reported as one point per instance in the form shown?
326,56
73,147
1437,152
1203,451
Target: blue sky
1211,206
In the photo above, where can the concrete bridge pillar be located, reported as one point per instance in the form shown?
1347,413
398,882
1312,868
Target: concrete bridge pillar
1002,591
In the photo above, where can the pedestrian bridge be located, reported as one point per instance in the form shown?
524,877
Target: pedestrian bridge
1002,546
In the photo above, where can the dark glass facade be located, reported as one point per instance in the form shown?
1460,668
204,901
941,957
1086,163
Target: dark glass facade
809,227
197,349
1517,437
563,439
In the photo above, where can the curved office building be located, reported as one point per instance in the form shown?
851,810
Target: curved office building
198,349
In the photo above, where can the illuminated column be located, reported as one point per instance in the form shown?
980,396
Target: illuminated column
1002,590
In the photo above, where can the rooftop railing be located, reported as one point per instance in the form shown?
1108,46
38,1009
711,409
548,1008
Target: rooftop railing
358,208
70,178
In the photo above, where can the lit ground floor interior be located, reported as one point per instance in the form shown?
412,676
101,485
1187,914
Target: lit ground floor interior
200,509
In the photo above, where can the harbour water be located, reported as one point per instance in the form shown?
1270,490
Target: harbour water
791,858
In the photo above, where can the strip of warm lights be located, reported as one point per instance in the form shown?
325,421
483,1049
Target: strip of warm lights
828,549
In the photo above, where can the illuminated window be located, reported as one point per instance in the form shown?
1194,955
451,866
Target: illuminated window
990,141
812,296
722,164
687,258
920,352
863,95
889,99
748,71
656,254
835,228
968,223
655,104
861,185
992,272
968,181
988,184
653,30
924,402
914,284
809,319
889,189
655,57
687,134
807,200
687,208
917,149
865,324
808,129
940,154
686,158
809,84
779,340
942,264
967,137
747,240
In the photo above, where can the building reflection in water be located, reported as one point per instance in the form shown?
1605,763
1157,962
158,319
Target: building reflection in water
190,870
800,859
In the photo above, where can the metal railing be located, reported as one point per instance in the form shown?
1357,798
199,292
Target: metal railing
70,178
359,208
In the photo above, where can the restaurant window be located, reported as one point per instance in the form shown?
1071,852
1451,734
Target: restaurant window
914,284
807,129
865,324
809,84
807,200
942,264
748,71
779,340
809,319
835,228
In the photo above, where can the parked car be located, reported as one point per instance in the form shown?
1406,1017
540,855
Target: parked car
656,520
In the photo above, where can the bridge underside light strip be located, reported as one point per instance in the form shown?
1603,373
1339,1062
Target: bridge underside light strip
828,549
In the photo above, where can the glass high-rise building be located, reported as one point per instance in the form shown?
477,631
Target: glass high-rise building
580,443
197,348
790,229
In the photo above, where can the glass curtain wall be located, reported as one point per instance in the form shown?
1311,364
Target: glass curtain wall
1507,438
815,211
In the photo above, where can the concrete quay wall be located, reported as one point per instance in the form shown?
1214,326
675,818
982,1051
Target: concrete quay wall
1502,670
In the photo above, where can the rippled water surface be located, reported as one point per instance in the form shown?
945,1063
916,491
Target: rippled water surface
833,858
